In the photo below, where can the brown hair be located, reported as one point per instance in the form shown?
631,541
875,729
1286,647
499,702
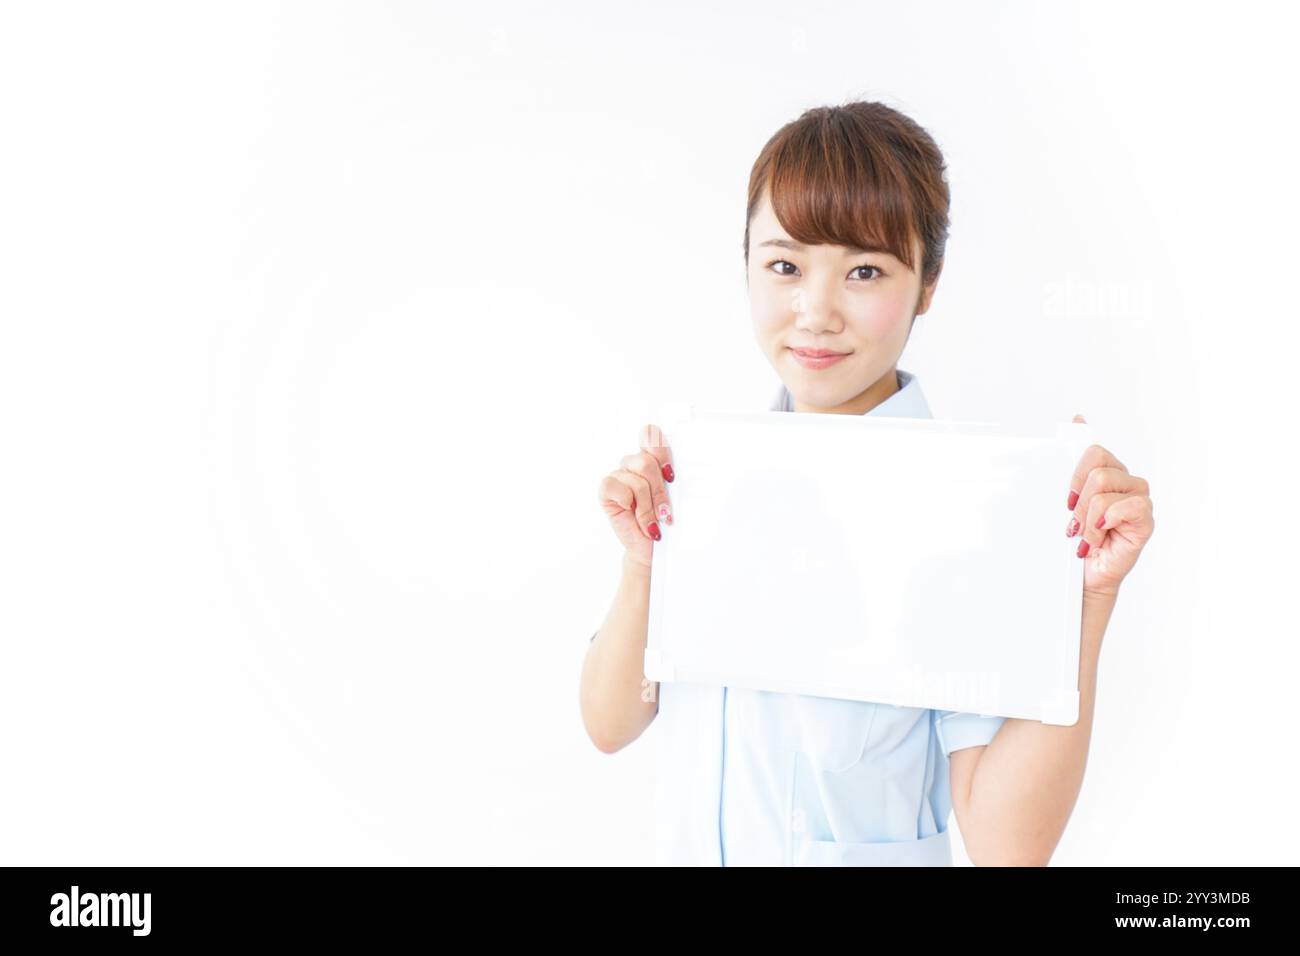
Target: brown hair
861,175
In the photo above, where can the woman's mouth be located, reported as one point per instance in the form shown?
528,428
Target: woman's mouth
817,358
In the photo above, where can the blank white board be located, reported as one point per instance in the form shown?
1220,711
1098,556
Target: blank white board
916,562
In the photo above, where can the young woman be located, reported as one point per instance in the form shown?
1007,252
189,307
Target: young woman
844,243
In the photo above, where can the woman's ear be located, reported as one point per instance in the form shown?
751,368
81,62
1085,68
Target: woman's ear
927,291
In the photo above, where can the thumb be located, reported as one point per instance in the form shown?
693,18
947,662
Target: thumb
1079,418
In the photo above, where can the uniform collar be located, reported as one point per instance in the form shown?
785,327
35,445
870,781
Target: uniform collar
907,402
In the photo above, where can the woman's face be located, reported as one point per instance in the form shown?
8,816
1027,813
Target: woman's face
835,298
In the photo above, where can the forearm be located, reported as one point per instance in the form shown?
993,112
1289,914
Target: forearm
1028,778
612,696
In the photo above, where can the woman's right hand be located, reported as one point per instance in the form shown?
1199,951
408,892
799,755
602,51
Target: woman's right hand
635,496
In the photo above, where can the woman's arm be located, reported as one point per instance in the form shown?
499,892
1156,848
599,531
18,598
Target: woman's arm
1014,797
617,701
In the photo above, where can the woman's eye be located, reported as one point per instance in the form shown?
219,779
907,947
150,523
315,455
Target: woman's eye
779,263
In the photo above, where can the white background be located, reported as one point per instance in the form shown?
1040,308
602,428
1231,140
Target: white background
321,324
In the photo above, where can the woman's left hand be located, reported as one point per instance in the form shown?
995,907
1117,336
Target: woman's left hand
1112,509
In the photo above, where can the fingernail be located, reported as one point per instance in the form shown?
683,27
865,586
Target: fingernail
668,472
1074,500
1083,548
665,514
1101,521
1072,528
654,530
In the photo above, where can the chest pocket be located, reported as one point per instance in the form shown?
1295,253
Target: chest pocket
833,733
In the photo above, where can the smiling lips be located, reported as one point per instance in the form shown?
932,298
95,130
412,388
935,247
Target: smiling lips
817,358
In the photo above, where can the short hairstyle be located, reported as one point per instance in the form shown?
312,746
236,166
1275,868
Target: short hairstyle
861,175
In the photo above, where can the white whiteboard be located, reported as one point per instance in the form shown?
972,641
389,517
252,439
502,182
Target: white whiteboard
916,562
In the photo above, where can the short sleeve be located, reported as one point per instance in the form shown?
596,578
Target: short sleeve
958,731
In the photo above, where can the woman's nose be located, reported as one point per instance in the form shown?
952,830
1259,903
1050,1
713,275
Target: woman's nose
812,308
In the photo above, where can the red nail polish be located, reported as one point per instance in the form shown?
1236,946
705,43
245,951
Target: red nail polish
653,528
1083,548
668,472
1074,500
1101,521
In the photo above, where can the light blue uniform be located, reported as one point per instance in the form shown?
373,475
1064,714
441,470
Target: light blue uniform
758,778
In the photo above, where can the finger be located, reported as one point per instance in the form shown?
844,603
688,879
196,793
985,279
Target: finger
1091,528
647,465
1134,514
1094,456
651,439
612,491
642,504
1080,524
1104,480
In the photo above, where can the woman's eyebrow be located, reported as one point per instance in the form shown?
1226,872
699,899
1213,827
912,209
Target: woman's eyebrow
800,247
